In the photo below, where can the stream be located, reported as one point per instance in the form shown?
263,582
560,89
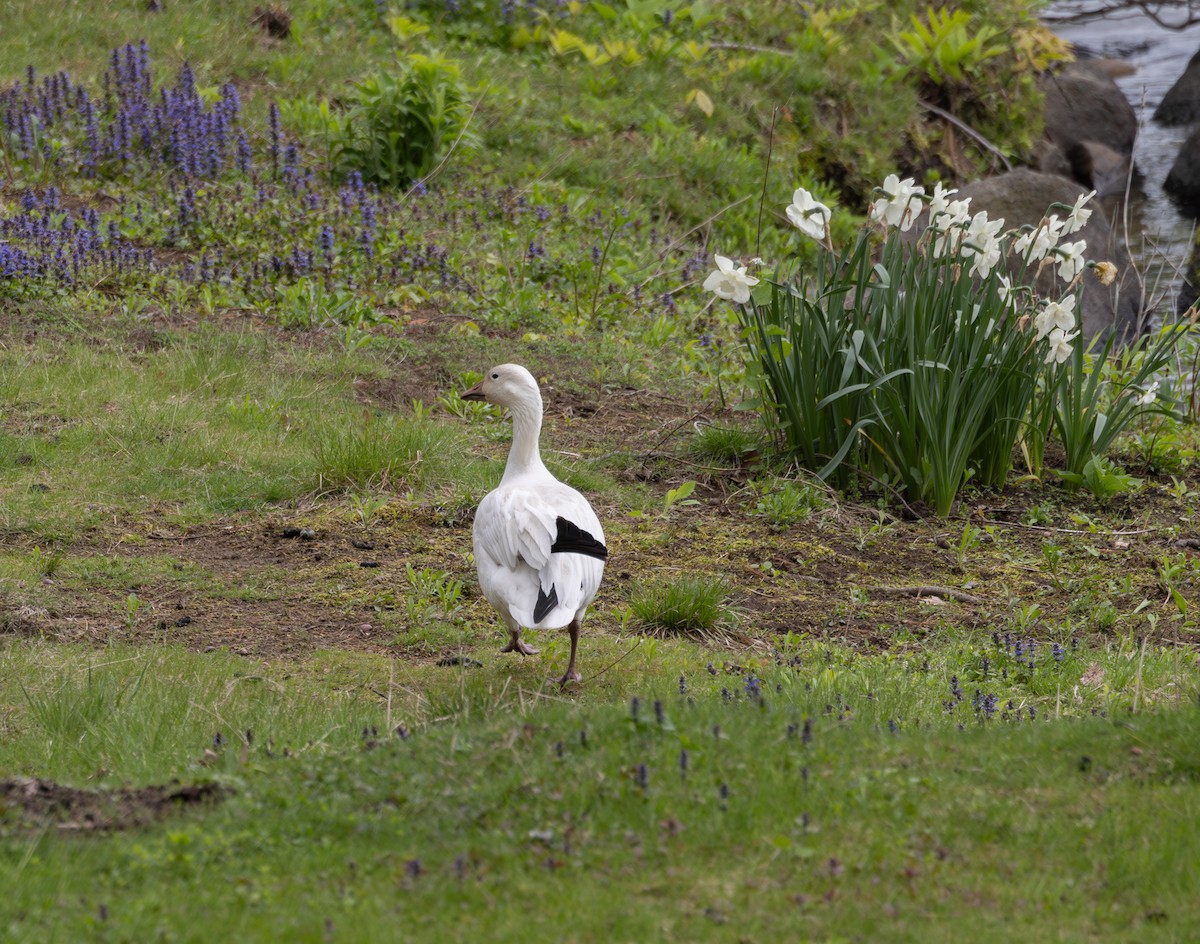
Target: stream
1159,236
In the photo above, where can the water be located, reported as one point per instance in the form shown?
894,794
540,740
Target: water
1160,237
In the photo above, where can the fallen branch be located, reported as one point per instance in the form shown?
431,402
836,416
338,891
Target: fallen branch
930,591
967,130
1099,533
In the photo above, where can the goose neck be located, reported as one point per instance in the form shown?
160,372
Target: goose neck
524,456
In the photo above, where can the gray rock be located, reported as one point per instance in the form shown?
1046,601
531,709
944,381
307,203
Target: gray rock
1181,104
1085,110
1189,292
1098,167
1183,182
1023,197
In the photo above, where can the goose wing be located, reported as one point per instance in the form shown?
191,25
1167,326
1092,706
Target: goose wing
540,552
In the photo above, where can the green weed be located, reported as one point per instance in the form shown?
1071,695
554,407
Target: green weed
688,605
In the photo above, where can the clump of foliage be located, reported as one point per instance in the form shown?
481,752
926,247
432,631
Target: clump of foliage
688,605
401,123
924,367
731,445
975,65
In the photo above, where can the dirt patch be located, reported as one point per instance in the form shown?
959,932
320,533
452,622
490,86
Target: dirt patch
46,803
426,384
274,21
249,588
1034,558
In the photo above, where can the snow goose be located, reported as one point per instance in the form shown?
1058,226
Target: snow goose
539,546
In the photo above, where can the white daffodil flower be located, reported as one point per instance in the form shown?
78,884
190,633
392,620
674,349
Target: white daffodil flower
1149,396
987,259
808,215
730,281
1039,241
940,201
1055,316
958,211
982,241
1071,261
1005,290
1060,345
1078,217
899,204
1106,272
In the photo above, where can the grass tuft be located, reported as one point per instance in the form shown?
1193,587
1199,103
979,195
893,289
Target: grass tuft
689,605
725,444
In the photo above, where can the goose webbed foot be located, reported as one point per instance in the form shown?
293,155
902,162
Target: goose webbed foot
515,645
572,675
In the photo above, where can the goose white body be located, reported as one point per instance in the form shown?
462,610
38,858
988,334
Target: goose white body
539,546
515,527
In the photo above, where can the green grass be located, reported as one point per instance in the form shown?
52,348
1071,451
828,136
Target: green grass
687,604
891,770
830,823
209,423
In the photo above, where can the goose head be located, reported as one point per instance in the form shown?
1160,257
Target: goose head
509,385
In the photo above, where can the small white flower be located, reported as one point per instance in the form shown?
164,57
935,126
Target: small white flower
1056,316
986,258
1071,260
981,240
1149,396
899,204
730,281
1078,217
808,215
1039,241
958,211
1060,345
939,202
1005,290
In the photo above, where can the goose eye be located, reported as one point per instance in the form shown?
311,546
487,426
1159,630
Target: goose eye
495,376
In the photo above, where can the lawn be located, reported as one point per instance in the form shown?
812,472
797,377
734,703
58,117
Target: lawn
249,687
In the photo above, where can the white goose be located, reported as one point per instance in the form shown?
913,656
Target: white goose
539,546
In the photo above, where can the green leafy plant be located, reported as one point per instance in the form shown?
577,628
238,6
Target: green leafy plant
919,365
725,444
436,588
783,504
944,47
316,120
367,506
681,495
1172,575
967,542
1101,478
1087,415
309,304
46,563
402,123
132,605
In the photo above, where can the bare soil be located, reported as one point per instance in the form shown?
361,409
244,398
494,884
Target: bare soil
46,803
851,572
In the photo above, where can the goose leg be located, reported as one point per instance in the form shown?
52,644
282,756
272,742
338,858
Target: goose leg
572,674
515,644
